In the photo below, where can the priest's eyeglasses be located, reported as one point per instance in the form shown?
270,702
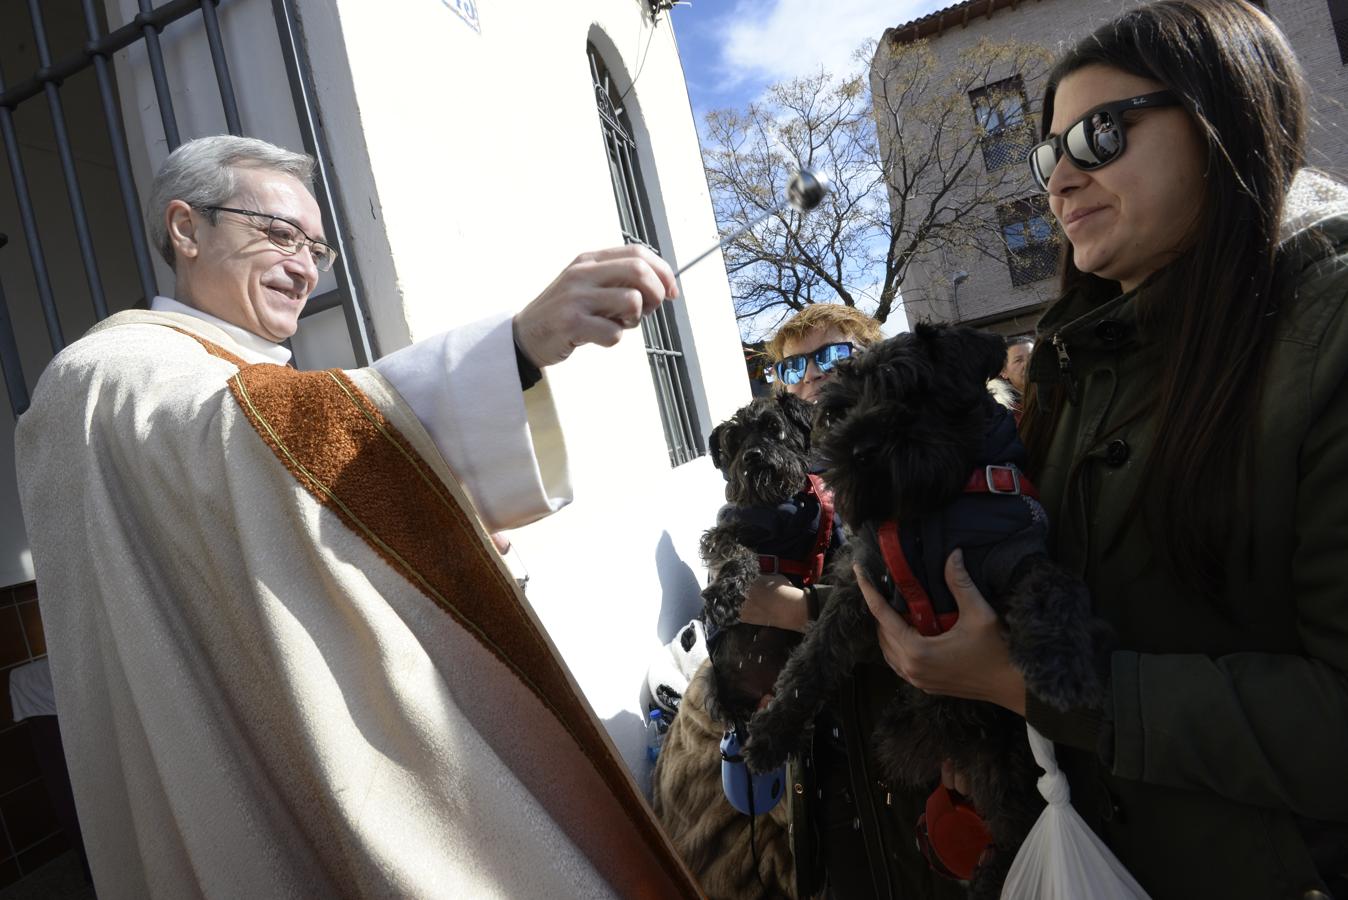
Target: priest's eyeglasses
285,236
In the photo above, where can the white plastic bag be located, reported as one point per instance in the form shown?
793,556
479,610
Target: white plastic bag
1061,858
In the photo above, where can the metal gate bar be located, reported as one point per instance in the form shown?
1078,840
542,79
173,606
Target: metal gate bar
97,52
10,363
325,186
45,80
118,40
58,124
664,351
121,162
150,31
208,19
41,278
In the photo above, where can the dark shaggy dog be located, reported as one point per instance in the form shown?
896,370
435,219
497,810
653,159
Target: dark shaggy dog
773,520
763,451
899,431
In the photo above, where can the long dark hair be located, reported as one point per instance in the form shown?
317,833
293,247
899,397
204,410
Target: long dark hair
1208,314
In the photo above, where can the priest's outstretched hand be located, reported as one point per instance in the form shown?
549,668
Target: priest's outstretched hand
593,301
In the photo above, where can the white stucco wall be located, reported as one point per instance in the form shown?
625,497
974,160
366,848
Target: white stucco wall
491,176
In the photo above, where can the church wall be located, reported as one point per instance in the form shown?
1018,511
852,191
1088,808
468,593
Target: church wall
487,155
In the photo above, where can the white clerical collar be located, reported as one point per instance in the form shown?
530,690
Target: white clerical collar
253,348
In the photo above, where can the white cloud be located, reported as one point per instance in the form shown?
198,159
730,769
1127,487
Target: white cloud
779,39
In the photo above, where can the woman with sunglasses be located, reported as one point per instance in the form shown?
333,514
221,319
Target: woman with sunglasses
814,340
1188,429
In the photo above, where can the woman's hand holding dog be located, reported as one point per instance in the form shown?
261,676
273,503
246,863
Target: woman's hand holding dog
971,660
773,600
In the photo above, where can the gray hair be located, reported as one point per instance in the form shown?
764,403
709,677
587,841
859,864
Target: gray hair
203,173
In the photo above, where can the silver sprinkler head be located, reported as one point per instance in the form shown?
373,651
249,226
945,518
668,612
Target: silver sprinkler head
807,189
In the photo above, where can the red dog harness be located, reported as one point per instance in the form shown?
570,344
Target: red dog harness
952,835
811,569
1005,480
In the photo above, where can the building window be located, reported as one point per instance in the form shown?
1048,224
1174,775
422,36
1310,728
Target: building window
660,331
1003,119
1338,14
1031,244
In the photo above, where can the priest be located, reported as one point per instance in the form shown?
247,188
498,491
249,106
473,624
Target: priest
288,660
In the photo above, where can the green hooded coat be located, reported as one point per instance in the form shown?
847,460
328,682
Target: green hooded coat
1220,766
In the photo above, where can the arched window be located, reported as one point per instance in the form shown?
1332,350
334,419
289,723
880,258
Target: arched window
664,349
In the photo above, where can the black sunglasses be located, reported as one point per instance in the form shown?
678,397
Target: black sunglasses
792,369
1093,141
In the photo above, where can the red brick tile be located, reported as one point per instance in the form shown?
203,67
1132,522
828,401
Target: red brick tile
12,647
18,762
29,815
31,617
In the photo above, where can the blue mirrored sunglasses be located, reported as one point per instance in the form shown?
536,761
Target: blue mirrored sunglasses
792,369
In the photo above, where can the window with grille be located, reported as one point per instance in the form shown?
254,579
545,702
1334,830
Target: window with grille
1002,115
660,331
67,68
1338,14
1031,243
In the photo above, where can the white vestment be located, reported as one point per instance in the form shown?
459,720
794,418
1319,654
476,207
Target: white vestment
269,681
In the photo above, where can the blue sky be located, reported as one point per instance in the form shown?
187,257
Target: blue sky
733,49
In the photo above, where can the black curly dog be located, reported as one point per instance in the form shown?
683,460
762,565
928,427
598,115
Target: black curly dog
899,430
763,451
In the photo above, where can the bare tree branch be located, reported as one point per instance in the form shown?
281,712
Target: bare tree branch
913,186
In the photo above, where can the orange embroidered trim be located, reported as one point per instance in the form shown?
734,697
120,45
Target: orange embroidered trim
350,458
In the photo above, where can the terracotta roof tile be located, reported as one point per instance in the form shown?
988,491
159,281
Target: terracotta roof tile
957,14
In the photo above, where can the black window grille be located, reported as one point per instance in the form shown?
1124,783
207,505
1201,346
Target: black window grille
660,331
1032,245
1005,129
1338,15
48,79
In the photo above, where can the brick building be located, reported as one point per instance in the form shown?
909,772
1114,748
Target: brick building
1007,294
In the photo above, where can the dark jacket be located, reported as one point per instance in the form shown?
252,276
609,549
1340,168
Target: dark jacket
853,834
1220,766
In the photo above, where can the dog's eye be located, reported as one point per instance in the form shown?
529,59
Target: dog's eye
863,455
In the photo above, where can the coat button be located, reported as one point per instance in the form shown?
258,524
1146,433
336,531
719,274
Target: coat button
1116,452
1110,809
1110,331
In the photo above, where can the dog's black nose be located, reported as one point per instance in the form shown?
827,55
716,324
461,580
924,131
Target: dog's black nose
753,455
